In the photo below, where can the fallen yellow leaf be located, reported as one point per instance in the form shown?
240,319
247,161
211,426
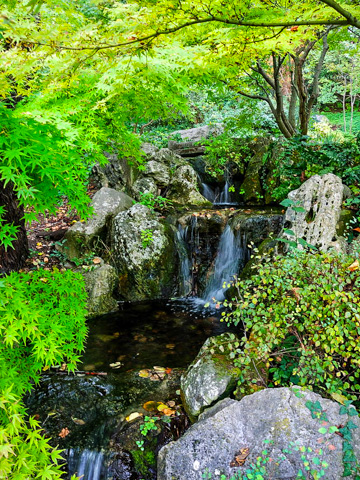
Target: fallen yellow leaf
354,266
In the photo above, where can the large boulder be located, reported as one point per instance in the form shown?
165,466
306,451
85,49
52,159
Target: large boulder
144,185
184,188
106,203
100,283
145,267
320,199
294,423
251,187
211,377
117,173
159,172
191,138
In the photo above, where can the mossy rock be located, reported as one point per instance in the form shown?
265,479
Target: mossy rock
211,377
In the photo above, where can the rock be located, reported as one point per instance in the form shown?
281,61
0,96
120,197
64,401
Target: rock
347,193
106,203
149,149
159,172
100,283
145,271
183,188
251,187
118,173
281,417
321,197
257,226
210,377
168,157
144,185
344,222
192,136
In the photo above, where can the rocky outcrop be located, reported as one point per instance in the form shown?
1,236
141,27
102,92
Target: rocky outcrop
188,146
296,424
211,377
144,254
144,185
100,283
315,212
82,236
117,173
257,225
184,188
252,185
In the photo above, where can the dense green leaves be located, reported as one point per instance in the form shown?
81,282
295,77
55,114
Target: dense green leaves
42,323
303,312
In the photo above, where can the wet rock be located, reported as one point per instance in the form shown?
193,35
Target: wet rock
321,198
184,188
100,283
81,237
211,377
256,227
145,269
283,418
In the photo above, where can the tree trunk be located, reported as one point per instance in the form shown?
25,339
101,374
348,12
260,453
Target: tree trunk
13,258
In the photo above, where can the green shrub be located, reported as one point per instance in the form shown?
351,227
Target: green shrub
301,317
301,157
42,323
154,201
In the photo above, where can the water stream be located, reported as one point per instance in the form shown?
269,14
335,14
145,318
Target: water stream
85,413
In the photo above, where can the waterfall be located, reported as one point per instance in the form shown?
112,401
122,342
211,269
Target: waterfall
225,195
225,258
208,193
185,284
232,253
87,464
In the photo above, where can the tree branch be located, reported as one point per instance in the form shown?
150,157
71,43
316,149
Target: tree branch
344,13
210,19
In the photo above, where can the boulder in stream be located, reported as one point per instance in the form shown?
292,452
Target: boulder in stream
211,377
290,430
100,283
320,199
144,254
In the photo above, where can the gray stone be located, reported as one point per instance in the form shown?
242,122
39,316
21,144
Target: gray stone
106,203
321,197
170,158
199,133
145,271
191,137
149,149
251,186
279,416
100,283
144,185
183,188
118,173
159,172
210,377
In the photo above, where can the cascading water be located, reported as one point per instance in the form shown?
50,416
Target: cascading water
232,253
208,193
86,464
206,262
185,278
